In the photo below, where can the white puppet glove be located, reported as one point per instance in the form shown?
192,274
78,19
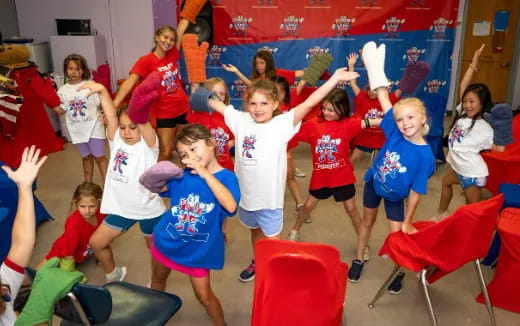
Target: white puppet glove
374,60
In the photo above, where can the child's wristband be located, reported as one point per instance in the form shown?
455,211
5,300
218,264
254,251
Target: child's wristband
367,123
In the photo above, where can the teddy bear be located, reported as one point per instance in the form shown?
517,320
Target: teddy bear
23,119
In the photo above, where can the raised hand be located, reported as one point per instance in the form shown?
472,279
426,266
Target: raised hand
230,68
351,59
28,170
343,74
476,55
196,167
92,86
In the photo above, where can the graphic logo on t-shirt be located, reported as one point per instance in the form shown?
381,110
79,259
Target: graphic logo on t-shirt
120,159
326,147
248,145
77,106
168,80
221,137
456,134
391,166
189,212
374,113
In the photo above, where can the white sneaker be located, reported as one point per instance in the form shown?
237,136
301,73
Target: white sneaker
117,275
294,235
299,173
366,253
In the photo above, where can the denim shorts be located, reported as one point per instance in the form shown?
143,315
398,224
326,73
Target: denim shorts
465,182
270,221
123,224
394,209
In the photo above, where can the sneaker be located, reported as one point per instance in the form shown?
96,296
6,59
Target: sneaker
354,273
248,274
298,209
439,216
293,235
299,173
117,275
396,286
366,253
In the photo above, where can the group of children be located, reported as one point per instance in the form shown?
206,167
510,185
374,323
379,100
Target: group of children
188,237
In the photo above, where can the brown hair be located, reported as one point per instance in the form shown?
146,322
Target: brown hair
192,133
419,107
161,30
267,88
215,80
270,69
86,189
338,98
78,60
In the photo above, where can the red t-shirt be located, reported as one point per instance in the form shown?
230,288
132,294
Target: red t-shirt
75,237
365,107
173,101
330,142
290,75
220,132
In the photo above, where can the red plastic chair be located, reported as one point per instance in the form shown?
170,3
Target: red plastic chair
504,167
298,284
441,248
505,287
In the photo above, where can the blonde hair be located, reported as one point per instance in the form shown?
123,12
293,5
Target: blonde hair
161,30
419,107
215,80
84,190
267,88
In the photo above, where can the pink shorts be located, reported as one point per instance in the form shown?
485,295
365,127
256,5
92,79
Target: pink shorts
167,262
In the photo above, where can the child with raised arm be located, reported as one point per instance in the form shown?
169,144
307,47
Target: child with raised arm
261,136
133,149
189,237
23,240
402,166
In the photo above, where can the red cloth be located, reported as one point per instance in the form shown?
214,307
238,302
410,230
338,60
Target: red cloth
365,107
75,237
504,289
173,101
504,167
33,125
102,76
290,75
298,284
330,146
220,132
447,245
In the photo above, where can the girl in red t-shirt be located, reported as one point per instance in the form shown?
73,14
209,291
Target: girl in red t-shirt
332,175
72,246
172,106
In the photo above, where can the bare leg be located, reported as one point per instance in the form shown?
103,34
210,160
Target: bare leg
472,194
308,207
88,168
353,213
448,180
291,182
100,243
203,291
102,163
166,136
356,155
160,275
369,217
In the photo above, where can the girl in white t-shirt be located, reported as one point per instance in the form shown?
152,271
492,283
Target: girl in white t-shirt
82,116
133,149
261,137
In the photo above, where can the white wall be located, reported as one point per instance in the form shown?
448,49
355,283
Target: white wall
127,25
8,22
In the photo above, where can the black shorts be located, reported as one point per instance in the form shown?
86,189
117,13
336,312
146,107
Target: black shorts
340,193
172,122
365,149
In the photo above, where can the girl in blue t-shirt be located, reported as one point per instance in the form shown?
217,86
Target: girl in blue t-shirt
189,236
402,167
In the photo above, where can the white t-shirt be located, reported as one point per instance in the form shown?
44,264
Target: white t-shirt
261,157
81,113
123,194
465,145
12,275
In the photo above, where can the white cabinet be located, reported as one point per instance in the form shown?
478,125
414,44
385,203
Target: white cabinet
91,47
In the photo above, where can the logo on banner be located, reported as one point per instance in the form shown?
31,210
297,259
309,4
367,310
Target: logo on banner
413,54
432,86
214,55
267,48
217,3
317,2
239,87
371,3
391,27
316,50
342,25
291,25
417,3
439,27
239,25
265,2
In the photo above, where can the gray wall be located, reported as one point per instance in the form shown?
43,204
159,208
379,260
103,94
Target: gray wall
8,20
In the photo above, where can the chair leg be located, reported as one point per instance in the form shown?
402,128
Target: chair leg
424,283
79,309
382,290
485,292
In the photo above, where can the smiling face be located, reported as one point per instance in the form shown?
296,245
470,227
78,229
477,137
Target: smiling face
471,104
329,112
74,72
221,91
128,130
165,41
261,107
410,121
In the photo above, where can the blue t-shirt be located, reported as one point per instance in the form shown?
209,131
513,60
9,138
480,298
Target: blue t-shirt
190,232
400,165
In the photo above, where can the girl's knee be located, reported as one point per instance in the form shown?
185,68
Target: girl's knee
205,297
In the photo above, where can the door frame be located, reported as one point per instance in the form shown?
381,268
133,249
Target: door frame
513,98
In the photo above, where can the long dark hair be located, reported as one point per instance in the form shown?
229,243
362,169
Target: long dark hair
338,97
484,96
270,69
280,80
